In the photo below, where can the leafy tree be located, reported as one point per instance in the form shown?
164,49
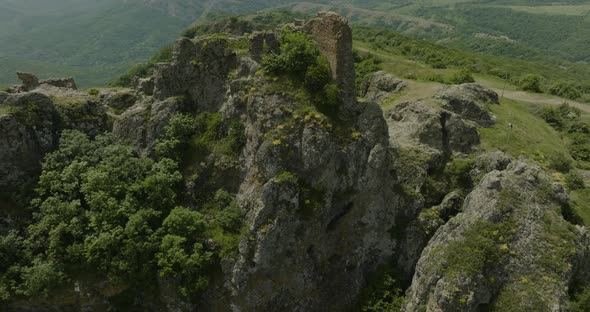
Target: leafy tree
181,253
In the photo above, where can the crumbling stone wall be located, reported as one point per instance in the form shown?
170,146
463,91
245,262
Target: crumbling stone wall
261,43
333,35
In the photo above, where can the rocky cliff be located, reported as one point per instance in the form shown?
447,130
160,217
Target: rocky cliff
326,197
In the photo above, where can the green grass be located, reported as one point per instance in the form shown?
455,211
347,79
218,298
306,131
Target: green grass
530,135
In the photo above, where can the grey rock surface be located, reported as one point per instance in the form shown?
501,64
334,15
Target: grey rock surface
198,72
27,132
418,124
470,102
519,251
380,85
65,83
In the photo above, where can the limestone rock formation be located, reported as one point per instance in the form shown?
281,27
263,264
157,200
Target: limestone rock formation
334,38
331,217
29,125
469,101
143,123
198,71
509,247
380,85
419,124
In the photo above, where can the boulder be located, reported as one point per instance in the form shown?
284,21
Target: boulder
380,85
470,102
66,83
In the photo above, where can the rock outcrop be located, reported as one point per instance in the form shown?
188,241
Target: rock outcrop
66,83
470,102
509,248
381,85
29,125
197,72
30,82
418,124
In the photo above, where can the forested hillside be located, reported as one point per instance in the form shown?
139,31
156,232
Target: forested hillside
97,40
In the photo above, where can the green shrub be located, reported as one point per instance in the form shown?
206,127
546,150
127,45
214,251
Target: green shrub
300,59
478,250
551,115
298,53
565,89
530,83
574,181
579,127
93,92
318,75
458,171
384,295
462,76
581,301
560,162
580,146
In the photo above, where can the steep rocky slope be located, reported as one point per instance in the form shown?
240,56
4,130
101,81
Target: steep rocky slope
327,194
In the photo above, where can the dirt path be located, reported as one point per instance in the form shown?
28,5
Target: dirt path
540,99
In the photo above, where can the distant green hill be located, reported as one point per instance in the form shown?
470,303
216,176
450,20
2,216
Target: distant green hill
95,41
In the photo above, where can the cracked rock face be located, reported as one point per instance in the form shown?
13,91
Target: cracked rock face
333,218
418,124
381,85
470,101
198,71
25,137
508,248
